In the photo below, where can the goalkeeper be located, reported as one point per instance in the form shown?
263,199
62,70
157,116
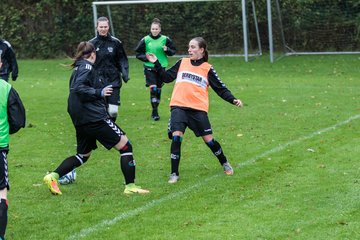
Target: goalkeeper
111,64
86,107
161,46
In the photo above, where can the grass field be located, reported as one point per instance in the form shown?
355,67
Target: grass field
294,148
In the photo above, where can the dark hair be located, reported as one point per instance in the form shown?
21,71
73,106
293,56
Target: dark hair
156,21
83,51
202,44
102,19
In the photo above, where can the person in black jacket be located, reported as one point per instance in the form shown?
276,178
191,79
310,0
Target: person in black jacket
190,102
111,63
9,63
87,109
12,114
162,46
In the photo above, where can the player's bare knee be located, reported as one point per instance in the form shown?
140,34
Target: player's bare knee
113,110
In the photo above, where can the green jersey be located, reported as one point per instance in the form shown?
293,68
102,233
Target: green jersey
155,46
4,124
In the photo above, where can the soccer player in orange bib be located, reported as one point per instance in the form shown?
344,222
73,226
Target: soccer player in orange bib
190,102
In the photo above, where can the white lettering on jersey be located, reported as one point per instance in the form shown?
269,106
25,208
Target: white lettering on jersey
192,78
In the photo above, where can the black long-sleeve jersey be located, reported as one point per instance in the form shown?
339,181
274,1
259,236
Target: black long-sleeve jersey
111,60
85,103
215,83
8,59
141,48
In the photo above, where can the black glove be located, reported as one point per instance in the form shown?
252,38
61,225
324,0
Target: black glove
14,77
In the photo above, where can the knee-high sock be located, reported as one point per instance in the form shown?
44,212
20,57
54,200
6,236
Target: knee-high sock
158,94
127,163
3,217
175,154
155,97
217,151
70,163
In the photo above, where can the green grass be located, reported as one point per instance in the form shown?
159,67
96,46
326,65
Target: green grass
289,182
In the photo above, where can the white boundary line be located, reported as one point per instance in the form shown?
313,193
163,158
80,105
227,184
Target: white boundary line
85,232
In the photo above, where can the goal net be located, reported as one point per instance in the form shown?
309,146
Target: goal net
313,27
220,23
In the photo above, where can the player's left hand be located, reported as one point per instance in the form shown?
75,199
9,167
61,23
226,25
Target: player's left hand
107,91
238,103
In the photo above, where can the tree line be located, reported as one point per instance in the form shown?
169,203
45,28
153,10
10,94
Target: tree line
52,29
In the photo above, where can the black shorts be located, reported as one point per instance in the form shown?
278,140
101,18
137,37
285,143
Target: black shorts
4,175
115,97
106,132
152,77
196,120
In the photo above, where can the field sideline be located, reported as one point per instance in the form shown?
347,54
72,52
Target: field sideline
295,148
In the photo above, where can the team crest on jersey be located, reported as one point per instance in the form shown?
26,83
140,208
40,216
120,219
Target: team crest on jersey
110,49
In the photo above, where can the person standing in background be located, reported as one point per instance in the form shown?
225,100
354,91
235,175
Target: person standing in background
161,46
111,64
9,63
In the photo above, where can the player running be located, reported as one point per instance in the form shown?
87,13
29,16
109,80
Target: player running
162,46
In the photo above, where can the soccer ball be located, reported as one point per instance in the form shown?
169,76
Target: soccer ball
68,178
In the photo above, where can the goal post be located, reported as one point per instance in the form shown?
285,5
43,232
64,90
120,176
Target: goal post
226,31
315,27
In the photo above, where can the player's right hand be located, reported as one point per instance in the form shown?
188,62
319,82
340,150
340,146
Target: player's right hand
151,57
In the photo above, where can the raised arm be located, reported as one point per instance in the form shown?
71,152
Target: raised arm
167,76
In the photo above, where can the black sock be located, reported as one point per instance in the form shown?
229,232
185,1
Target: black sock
158,94
153,98
175,154
169,130
217,151
3,217
70,163
127,163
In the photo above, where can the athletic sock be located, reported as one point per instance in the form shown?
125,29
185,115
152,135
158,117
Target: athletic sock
153,97
217,151
70,163
3,217
175,154
127,163
158,95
